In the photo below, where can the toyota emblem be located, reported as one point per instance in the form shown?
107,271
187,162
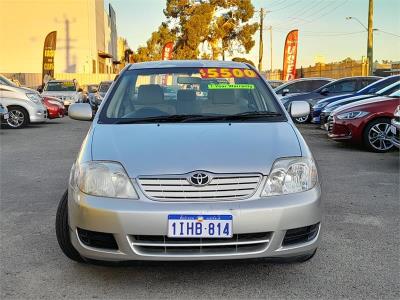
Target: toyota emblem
199,179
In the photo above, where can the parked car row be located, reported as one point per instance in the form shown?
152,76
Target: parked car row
354,109
23,106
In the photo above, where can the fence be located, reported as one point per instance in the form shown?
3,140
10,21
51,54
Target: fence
33,80
333,70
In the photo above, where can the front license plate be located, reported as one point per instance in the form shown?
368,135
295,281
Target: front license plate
393,129
201,226
5,116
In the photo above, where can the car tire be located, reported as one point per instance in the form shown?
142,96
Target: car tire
18,117
377,135
62,230
302,120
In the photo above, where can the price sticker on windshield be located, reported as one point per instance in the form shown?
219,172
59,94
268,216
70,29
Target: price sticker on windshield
227,73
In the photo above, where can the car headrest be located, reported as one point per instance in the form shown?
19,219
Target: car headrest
186,95
150,94
222,96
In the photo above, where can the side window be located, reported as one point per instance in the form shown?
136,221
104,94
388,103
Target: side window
365,82
314,84
298,87
346,86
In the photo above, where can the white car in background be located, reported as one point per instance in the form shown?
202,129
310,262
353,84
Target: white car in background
67,91
24,106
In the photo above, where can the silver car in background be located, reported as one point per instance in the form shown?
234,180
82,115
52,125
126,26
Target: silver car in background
68,91
218,175
24,106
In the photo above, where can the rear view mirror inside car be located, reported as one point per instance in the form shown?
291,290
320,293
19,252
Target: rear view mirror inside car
189,80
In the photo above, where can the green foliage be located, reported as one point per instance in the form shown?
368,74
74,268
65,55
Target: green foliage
202,29
154,46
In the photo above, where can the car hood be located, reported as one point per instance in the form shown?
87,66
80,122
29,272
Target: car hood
60,93
355,105
335,104
151,149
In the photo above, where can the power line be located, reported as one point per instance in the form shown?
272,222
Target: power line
393,34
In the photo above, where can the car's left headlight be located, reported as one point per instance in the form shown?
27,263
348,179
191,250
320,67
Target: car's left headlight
102,178
352,115
291,175
35,98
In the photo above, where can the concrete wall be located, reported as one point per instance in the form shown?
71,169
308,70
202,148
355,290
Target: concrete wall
33,80
80,34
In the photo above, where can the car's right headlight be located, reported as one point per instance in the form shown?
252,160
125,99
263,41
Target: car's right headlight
102,178
291,175
35,98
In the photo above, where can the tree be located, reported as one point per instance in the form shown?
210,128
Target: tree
221,25
243,60
154,45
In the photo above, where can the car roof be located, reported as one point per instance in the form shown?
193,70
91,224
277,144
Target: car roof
188,64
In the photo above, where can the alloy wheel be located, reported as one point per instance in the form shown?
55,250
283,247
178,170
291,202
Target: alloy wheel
301,119
380,137
16,118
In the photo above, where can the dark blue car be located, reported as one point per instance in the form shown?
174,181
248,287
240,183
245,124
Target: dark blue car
368,90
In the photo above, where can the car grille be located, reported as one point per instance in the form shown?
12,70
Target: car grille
228,187
330,124
160,245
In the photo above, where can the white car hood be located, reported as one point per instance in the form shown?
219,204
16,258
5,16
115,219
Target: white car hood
149,149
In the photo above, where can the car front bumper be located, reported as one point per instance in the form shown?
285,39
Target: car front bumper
127,219
38,116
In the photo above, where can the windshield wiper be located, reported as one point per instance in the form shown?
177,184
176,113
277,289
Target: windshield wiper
194,118
241,116
156,119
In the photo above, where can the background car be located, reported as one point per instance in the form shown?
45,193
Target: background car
89,91
371,89
366,122
55,108
66,90
348,85
334,105
3,114
23,107
396,127
275,83
101,92
301,85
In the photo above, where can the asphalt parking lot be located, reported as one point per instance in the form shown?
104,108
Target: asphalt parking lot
358,256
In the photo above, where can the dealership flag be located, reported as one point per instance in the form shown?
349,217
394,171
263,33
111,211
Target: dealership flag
49,50
167,51
290,55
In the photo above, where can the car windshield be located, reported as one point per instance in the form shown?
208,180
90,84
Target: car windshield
104,86
198,94
63,86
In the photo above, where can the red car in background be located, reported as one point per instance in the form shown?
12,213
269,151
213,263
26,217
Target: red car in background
365,122
55,108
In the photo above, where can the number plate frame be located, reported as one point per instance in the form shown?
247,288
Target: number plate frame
222,225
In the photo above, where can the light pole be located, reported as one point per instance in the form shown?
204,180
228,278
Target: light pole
369,29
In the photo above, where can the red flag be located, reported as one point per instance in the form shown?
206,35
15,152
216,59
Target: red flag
167,51
290,55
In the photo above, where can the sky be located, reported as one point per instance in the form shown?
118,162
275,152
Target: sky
324,32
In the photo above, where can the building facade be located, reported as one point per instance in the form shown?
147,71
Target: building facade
86,36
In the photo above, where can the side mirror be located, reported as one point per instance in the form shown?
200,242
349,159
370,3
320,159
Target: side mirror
324,91
285,92
80,111
40,90
299,109
80,90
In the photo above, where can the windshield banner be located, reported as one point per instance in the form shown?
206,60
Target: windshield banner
227,86
290,55
49,50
